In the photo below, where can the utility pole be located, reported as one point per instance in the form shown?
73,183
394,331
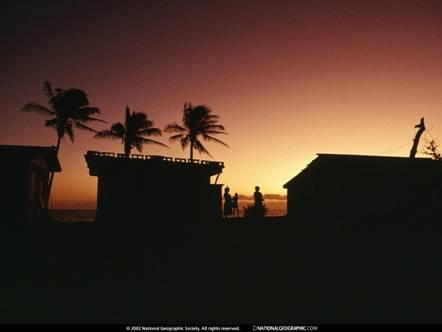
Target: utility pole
417,137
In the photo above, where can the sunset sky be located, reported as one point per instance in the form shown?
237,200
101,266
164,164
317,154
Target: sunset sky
289,79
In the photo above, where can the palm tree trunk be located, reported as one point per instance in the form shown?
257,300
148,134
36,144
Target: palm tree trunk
127,149
57,148
51,178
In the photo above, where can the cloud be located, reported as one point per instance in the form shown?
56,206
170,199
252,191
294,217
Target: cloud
273,197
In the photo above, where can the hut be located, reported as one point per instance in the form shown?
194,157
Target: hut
148,189
357,186
25,191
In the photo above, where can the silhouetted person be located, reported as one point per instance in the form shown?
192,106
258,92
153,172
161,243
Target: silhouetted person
235,209
227,203
258,197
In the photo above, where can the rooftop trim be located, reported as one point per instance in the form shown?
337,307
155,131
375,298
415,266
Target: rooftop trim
112,155
337,155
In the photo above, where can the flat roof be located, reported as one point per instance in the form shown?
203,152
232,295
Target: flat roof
46,152
98,160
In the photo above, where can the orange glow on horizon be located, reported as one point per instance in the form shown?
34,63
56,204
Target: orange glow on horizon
288,79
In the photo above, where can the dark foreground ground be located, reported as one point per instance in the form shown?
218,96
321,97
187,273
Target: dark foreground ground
338,272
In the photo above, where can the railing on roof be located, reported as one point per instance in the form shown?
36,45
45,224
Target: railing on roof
153,157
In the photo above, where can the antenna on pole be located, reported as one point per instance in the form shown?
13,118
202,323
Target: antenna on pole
417,137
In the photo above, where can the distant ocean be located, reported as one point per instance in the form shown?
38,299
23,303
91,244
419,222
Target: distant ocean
275,208
73,215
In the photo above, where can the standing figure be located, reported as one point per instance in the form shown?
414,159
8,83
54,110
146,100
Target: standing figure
258,197
227,203
235,209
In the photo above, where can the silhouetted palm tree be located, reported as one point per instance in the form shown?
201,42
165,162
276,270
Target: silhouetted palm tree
67,109
198,121
132,133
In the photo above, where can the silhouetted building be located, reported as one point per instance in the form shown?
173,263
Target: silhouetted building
24,185
356,186
146,188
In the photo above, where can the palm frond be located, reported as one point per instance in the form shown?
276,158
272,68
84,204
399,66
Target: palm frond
149,132
203,111
151,141
79,125
211,116
140,119
216,127
184,141
215,132
47,90
138,144
51,123
70,131
176,137
107,134
209,138
91,119
86,112
37,108
200,148
174,128
209,119
119,129
74,98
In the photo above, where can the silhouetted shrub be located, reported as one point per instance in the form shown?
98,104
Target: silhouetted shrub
255,212
432,149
